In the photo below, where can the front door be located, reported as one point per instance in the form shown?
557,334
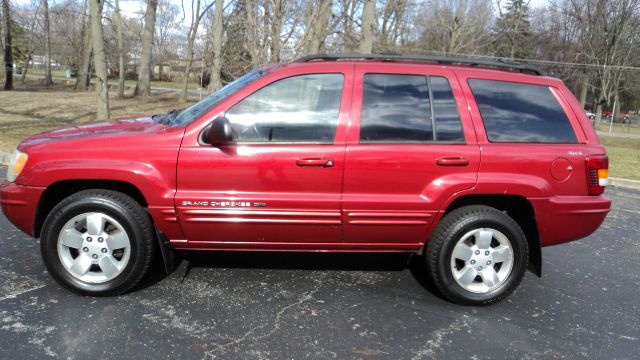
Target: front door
410,155
280,185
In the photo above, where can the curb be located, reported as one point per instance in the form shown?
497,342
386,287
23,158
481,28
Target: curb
4,158
625,183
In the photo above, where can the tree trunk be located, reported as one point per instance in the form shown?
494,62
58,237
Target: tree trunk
143,86
48,80
23,77
215,81
193,31
316,26
100,60
276,29
120,51
8,53
583,92
368,24
84,75
251,38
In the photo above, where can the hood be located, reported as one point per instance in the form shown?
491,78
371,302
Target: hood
102,133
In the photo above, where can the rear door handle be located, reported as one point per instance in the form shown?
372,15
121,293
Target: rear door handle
452,161
315,162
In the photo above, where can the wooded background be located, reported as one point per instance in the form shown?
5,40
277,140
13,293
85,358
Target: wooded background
590,44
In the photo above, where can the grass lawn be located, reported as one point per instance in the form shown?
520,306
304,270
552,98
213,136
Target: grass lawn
624,157
618,128
33,109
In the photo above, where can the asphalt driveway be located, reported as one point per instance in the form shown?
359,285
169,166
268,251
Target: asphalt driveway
332,306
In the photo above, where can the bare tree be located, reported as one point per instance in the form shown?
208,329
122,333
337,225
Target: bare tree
100,60
47,45
252,28
316,25
8,53
276,8
608,34
196,17
166,23
33,20
456,26
368,26
84,75
143,86
215,82
121,70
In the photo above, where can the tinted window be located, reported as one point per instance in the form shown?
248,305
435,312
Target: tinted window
395,108
448,126
514,112
297,109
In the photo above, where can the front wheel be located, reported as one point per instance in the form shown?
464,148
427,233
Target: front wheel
97,242
477,255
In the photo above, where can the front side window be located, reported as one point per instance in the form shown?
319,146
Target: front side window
302,108
515,112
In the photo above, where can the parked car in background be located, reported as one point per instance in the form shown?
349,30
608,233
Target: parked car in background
591,115
474,164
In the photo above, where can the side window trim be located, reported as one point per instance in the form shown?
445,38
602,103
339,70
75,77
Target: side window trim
434,131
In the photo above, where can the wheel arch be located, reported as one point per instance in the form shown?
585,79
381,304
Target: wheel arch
60,190
517,207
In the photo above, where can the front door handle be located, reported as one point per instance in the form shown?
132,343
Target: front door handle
452,161
315,162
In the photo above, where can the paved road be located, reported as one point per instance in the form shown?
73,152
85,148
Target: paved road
324,306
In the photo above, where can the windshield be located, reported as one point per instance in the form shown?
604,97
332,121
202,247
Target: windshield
198,109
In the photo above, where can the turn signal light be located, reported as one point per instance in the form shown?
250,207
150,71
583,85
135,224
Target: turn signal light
597,167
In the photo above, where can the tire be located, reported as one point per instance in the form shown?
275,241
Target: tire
477,255
97,243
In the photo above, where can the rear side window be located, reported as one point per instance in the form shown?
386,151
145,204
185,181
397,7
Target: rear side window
398,108
515,112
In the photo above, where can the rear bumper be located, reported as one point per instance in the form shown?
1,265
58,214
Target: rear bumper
566,218
19,204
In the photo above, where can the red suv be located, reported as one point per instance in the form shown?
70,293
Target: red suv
474,164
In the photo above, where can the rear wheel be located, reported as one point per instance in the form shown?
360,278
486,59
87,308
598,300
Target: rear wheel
97,242
477,255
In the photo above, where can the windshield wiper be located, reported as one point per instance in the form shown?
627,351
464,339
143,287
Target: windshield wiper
166,118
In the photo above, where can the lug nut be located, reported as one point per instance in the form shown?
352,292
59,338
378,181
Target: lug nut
477,252
104,250
100,239
488,262
85,249
473,262
89,239
479,267
486,252
95,256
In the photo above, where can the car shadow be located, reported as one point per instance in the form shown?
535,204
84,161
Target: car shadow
383,262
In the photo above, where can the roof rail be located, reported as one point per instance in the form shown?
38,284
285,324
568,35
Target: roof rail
499,63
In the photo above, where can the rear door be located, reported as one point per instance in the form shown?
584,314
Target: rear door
409,150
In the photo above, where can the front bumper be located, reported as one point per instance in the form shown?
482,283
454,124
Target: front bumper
19,204
566,218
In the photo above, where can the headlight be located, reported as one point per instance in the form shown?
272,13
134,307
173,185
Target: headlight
16,164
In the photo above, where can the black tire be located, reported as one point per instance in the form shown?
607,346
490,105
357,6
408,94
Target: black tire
451,229
130,215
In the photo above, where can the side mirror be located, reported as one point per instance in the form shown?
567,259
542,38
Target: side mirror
220,132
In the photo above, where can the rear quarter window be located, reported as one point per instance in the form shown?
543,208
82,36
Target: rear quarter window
516,112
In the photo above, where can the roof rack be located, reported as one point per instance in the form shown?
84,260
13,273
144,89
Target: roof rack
499,63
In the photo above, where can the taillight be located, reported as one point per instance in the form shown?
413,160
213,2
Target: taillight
597,173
